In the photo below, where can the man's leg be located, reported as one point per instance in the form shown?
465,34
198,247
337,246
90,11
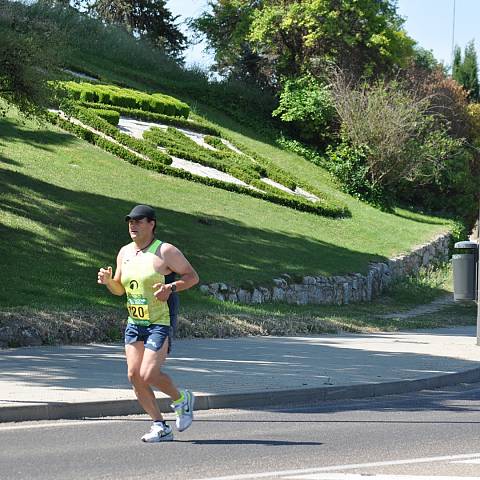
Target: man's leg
135,354
151,374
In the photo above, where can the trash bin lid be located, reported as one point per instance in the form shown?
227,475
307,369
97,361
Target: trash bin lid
466,244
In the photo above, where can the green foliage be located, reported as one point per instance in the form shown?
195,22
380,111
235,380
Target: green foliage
215,142
30,53
454,190
90,118
465,71
103,50
126,98
149,20
424,59
204,127
473,111
270,39
178,144
225,160
405,142
226,26
307,152
350,165
308,106
111,116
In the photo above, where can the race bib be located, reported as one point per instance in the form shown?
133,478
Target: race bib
138,309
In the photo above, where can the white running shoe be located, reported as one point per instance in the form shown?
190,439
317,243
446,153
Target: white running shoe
184,410
158,433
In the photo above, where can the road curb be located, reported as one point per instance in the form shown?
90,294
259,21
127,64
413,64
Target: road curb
57,411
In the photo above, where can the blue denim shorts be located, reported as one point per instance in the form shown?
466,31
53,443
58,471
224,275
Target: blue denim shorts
152,336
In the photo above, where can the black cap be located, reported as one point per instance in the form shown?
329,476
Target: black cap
141,211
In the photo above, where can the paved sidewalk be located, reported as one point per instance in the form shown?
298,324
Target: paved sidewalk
90,380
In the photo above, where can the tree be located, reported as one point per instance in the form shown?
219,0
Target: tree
146,19
466,72
30,51
457,64
291,38
226,29
470,71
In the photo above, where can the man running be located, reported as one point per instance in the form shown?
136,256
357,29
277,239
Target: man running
145,272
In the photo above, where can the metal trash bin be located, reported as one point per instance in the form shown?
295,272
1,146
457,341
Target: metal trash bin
465,271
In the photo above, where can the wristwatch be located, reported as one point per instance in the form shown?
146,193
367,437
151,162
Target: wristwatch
173,288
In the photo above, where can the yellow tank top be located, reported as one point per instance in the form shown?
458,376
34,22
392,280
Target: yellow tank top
138,278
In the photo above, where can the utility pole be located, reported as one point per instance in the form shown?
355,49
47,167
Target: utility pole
478,274
453,38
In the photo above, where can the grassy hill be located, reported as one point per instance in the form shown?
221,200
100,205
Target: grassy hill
63,203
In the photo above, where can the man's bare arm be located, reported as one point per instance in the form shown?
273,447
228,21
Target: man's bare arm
176,262
112,283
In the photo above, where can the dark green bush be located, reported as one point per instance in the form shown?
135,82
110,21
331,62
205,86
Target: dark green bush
349,165
111,116
127,98
307,105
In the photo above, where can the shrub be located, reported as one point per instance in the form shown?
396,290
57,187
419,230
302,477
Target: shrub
127,98
350,165
87,95
308,106
320,208
111,116
446,97
215,142
474,122
408,146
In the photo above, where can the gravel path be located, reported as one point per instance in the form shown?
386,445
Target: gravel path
432,307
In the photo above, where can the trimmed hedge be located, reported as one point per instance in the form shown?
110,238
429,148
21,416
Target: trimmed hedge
126,98
157,117
111,116
318,208
89,118
216,143
180,145
278,175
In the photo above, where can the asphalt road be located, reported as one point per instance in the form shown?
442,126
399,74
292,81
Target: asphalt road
415,436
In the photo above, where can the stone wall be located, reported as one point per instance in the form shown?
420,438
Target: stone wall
337,290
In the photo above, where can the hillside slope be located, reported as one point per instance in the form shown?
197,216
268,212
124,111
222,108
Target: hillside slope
63,202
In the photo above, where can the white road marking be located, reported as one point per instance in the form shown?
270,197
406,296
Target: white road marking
306,471
53,424
475,461
355,476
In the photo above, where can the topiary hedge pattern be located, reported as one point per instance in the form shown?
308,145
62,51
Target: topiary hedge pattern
153,159
157,117
126,98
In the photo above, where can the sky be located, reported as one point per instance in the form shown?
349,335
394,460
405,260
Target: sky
429,22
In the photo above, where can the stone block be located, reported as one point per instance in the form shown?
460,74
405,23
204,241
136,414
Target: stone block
266,294
232,297
256,296
278,294
244,296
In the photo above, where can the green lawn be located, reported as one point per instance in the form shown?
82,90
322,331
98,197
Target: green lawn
63,202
